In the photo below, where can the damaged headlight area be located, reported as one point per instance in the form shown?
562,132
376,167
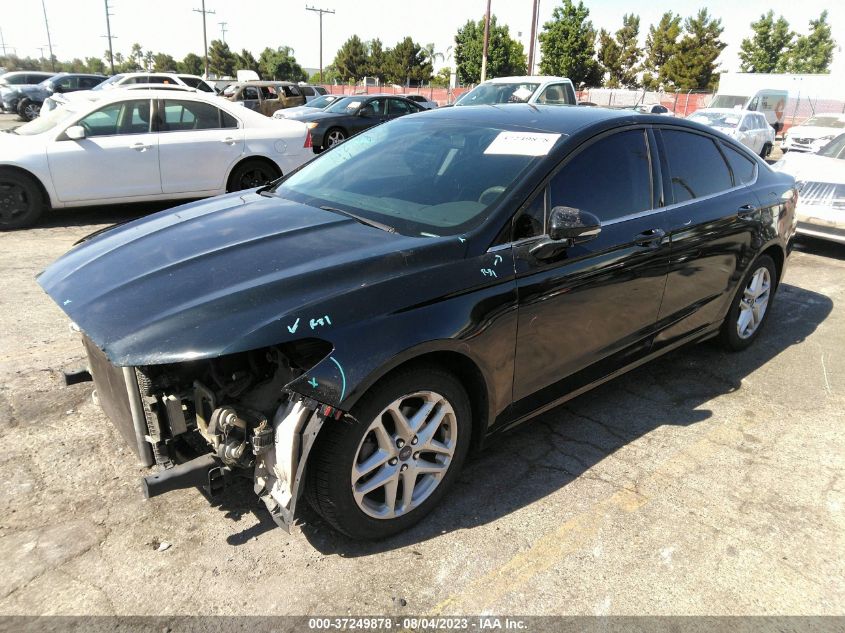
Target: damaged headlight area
203,422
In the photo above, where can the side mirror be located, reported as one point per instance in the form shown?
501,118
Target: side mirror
574,225
58,88
75,132
567,227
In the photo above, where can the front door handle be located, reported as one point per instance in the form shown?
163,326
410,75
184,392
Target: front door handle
228,140
746,210
650,238
140,147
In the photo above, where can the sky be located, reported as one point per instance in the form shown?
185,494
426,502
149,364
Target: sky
77,27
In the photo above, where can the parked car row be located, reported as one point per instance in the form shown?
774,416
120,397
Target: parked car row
748,127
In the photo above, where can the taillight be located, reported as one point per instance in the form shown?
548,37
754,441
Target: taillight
308,144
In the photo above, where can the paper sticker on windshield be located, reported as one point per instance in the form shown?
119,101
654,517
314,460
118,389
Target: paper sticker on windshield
522,143
353,104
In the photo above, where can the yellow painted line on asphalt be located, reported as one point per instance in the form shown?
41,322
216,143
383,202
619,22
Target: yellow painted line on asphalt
579,532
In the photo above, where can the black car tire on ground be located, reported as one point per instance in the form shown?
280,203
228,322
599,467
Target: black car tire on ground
767,149
329,479
252,173
21,200
29,110
729,334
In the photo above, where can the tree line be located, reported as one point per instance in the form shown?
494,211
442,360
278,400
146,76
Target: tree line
680,53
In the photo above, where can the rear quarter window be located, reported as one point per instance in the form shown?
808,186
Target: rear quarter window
743,168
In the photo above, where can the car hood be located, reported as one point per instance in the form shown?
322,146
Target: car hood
229,274
811,131
296,111
316,116
811,167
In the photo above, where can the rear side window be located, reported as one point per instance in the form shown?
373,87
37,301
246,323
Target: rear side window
611,178
741,166
193,115
697,168
308,91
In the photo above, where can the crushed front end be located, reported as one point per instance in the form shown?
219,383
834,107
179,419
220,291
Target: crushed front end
204,422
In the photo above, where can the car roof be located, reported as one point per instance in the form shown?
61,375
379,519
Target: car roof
725,111
526,78
262,83
564,119
119,94
833,115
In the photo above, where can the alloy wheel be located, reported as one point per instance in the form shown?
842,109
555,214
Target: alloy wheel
255,178
404,455
31,111
755,300
13,201
334,137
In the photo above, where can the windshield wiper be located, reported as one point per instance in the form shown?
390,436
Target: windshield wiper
361,219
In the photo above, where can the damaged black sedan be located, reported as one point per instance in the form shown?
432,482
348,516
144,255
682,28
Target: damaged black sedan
350,332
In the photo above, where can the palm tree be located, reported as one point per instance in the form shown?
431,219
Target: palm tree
432,55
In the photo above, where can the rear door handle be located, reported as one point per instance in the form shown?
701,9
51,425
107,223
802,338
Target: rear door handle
650,238
139,147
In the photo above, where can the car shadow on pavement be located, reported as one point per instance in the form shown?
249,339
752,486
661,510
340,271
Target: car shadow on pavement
823,248
545,454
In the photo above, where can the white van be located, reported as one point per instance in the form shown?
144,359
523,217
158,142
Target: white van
770,103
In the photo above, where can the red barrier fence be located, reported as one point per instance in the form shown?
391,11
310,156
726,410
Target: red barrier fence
443,96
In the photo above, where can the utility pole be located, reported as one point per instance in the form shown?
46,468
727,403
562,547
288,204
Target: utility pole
533,37
321,12
223,30
2,42
49,41
486,43
204,12
109,35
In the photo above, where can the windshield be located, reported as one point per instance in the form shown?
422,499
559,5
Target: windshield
108,83
347,105
728,101
422,177
321,102
45,122
716,119
834,149
492,93
824,121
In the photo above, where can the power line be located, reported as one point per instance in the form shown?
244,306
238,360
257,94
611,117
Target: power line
205,12
321,12
223,30
110,36
49,41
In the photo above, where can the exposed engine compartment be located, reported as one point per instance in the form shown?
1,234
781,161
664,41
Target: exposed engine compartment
209,420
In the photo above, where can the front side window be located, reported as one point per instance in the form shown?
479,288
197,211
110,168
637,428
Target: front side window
696,165
611,178
374,107
124,117
308,91
250,93
553,95
398,107
531,222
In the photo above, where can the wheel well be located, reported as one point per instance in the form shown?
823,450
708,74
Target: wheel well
45,197
469,375
257,159
776,253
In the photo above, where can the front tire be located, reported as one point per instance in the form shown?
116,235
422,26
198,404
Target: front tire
767,149
21,201
29,110
751,305
385,470
333,137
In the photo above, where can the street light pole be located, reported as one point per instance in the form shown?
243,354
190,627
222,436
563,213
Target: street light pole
320,12
204,12
486,43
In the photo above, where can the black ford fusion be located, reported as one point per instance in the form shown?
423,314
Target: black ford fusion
352,330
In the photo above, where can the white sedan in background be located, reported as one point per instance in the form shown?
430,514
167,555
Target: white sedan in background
814,133
320,103
749,128
821,190
131,147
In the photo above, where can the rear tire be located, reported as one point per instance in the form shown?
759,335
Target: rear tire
767,149
378,450
333,137
21,200
751,305
252,173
